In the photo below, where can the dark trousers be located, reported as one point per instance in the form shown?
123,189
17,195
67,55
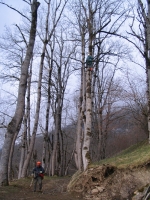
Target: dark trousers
38,180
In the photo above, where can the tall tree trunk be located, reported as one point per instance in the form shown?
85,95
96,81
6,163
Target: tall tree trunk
28,107
46,138
26,133
23,147
87,132
61,169
47,144
78,149
10,169
15,124
54,158
46,40
81,106
30,150
148,65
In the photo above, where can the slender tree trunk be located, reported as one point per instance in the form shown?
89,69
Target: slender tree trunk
26,134
78,151
81,108
54,159
30,150
47,144
148,65
15,124
28,108
46,138
10,170
61,170
23,147
87,132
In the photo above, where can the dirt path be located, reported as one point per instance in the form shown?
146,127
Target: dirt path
53,189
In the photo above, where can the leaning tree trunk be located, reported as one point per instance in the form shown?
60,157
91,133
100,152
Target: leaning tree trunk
30,150
15,124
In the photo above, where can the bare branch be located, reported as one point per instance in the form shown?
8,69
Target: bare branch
22,35
15,10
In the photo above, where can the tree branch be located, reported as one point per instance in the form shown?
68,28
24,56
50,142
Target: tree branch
15,10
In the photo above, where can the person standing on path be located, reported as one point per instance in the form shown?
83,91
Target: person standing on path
38,174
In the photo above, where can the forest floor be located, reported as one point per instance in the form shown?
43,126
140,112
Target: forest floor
124,176
54,188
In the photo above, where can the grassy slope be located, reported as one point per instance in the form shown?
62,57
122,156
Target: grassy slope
134,156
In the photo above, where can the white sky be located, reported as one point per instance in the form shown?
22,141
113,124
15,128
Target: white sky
8,17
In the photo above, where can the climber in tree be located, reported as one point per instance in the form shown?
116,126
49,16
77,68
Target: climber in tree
89,62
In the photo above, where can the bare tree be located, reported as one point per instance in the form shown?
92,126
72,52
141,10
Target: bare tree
81,104
31,146
95,24
61,73
26,125
141,41
14,125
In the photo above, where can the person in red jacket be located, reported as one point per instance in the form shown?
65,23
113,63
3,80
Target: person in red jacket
38,174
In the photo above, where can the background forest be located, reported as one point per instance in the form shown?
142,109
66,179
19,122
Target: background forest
43,83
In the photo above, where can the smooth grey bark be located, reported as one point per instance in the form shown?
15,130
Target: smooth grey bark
10,169
47,38
47,144
23,147
79,137
28,115
26,133
61,77
46,138
30,150
81,112
32,142
87,129
15,124
60,93
54,158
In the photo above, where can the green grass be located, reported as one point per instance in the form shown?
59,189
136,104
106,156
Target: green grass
136,155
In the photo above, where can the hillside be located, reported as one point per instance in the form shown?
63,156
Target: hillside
124,176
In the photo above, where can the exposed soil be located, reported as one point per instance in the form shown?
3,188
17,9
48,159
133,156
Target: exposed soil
99,183
53,188
109,183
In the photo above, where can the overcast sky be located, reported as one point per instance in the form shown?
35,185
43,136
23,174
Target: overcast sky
8,17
